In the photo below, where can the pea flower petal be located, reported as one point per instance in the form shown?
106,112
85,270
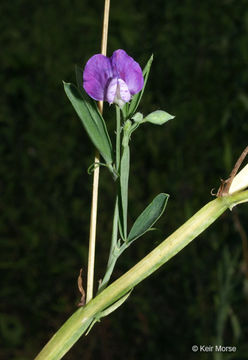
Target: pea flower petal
113,79
97,73
125,68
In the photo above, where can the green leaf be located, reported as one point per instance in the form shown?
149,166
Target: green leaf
92,121
124,176
148,217
158,117
129,109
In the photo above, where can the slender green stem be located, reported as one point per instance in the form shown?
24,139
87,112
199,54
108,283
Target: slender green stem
113,254
124,178
118,137
109,271
77,324
114,232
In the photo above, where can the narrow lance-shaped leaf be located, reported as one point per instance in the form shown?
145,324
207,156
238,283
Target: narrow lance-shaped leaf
148,217
92,121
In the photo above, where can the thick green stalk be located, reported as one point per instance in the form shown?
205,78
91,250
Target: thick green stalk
76,325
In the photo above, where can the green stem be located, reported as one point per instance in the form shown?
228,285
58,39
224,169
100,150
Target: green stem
118,137
112,253
109,272
77,324
124,178
114,232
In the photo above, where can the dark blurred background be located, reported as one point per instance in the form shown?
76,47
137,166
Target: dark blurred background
200,75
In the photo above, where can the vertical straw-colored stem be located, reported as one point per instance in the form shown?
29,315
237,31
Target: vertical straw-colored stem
94,202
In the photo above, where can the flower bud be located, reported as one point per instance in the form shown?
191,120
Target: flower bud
126,129
138,117
158,117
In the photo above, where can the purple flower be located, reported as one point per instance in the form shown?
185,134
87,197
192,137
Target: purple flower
113,79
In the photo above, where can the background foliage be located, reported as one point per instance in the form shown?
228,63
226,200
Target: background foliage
200,75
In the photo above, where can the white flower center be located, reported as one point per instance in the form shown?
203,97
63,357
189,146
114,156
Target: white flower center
117,92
